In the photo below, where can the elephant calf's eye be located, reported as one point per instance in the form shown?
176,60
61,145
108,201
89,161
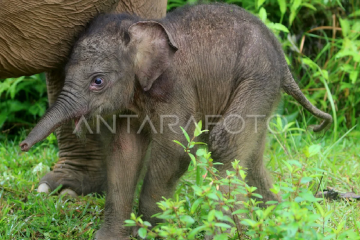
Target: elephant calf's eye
98,81
97,84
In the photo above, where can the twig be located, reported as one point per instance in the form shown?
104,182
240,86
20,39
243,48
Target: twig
319,183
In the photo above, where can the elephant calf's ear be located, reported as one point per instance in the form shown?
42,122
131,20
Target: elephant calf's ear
154,51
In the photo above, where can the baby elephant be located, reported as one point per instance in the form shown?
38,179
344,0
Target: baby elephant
142,79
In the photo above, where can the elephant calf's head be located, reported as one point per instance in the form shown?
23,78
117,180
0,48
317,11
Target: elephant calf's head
115,54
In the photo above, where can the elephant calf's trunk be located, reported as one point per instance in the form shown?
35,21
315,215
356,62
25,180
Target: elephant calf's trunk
39,132
52,119
24,146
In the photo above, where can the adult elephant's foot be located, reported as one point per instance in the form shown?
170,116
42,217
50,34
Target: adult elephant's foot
80,168
77,177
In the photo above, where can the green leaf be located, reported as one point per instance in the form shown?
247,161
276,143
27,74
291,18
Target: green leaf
185,134
13,90
282,5
242,174
223,225
308,5
213,196
142,232
312,150
277,27
211,215
3,117
355,14
146,223
295,163
345,27
195,231
262,14
275,190
296,4
259,3
199,178
325,74
129,223
307,196
219,215
340,226
256,195
223,236
240,211
268,210
305,180
196,205
175,141
346,53
200,152
193,159
310,63
187,219
248,222
198,127
293,10
353,76
320,209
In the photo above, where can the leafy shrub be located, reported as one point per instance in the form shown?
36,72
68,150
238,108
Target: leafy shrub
22,101
202,207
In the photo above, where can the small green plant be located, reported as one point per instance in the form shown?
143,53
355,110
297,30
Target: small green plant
204,206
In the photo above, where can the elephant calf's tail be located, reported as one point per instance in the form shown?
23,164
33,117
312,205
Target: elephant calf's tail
290,87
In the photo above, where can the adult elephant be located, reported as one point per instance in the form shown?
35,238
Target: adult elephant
37,36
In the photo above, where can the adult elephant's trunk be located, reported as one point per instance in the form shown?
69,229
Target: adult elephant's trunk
61,112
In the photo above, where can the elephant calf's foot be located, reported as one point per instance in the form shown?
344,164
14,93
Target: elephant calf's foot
76,177
104,234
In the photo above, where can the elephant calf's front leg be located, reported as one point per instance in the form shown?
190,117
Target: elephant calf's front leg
124,164
80,168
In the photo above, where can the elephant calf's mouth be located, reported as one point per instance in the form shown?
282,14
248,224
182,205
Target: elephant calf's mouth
76,120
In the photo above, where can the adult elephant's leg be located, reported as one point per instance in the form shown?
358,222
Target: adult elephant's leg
80,168
143,8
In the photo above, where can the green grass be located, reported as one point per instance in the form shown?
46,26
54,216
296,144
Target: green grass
290,156
26,214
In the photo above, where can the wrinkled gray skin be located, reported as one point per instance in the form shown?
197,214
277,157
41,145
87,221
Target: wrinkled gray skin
197,61
37,36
